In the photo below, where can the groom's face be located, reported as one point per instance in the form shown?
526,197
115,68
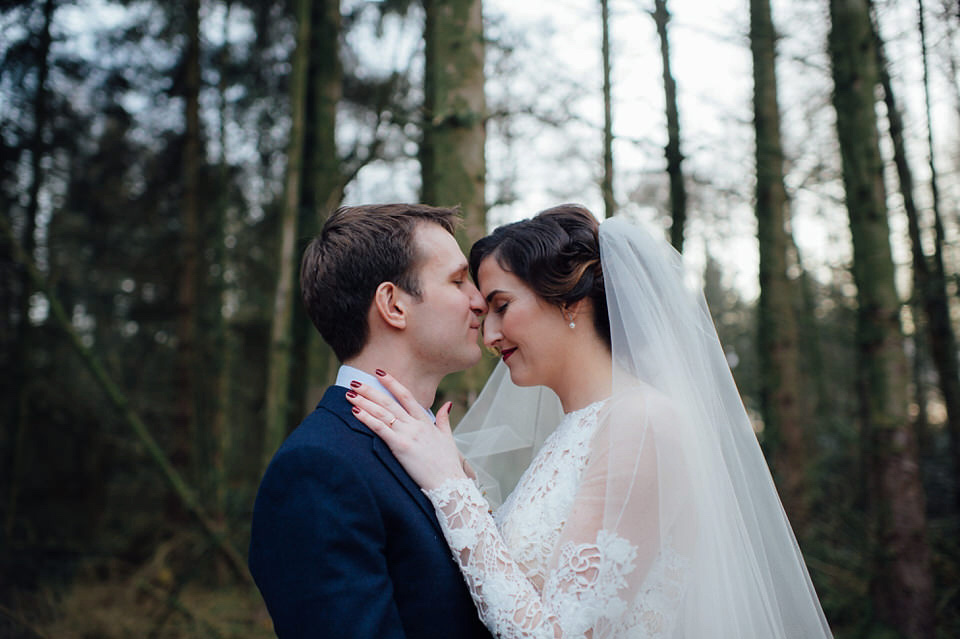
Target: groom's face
445,322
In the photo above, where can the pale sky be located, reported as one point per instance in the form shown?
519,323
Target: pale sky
559,61
711,64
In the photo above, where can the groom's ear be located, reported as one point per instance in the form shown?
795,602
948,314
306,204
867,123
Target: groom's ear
391,304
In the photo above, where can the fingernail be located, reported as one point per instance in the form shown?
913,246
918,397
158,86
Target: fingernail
351,394
448,406
356,411
380,372
355,384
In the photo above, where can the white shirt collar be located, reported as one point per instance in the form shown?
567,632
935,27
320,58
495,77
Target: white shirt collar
347,374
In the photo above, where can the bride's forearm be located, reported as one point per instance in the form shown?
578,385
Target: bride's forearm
507,601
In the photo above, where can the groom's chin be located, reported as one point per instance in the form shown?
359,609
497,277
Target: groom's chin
475,357
471,358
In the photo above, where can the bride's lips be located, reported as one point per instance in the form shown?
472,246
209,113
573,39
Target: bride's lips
507,353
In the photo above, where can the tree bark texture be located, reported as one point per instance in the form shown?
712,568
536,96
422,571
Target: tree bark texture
901,580
326,91
786,413
322,191
280,354
452,162
452,154
609,202
222,345
186,416
678,192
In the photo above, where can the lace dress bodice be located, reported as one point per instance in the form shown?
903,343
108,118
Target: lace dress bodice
534,573
533,515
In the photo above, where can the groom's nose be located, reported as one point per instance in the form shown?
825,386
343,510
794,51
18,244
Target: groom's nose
477,304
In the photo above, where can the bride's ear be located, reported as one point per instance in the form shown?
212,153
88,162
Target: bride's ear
571,312
391,305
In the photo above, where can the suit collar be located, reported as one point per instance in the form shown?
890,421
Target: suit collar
347,374
335,401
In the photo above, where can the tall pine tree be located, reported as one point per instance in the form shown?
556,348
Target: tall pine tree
785,411
901,579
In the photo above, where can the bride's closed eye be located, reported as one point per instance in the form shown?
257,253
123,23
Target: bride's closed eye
501,308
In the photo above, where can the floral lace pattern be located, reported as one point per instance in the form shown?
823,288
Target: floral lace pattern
525,584
533,515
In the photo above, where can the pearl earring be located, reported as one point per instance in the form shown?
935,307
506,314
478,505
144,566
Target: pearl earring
572,325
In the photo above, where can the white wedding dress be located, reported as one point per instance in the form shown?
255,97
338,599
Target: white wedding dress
651,514
534,573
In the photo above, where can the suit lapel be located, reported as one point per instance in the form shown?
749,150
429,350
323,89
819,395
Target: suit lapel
334,401
382,451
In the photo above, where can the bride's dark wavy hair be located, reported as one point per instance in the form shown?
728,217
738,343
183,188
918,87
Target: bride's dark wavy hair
557,254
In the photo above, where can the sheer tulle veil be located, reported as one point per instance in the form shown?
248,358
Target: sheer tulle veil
687,480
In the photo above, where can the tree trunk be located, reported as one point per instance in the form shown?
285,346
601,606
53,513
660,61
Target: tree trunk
187,395
678,192
930,297
315,366
786,413
920,389
280,357
943,341
19,359
452,154
221,345
812,363
953,65
609,203
452,161
901,579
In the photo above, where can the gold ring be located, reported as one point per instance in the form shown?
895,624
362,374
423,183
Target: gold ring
390,425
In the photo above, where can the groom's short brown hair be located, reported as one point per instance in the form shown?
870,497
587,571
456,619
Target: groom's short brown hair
359,248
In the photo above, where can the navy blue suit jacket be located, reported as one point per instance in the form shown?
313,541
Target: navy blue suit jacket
344,544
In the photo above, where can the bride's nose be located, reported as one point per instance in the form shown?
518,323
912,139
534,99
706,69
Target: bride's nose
491,332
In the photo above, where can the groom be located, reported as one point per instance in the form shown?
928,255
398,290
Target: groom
344,544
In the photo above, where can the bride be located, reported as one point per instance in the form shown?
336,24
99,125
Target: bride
648,511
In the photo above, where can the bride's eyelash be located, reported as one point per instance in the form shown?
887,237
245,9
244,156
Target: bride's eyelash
500,309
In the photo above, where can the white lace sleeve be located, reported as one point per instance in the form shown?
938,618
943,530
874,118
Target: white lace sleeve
604,581
508,603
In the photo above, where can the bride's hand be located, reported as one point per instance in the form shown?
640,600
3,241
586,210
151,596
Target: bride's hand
426,450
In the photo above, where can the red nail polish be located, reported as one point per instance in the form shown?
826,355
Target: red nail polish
380,372
355,384
351,394
356,411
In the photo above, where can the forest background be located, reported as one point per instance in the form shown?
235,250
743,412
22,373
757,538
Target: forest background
164,164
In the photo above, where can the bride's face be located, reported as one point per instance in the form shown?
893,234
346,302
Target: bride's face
528,332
